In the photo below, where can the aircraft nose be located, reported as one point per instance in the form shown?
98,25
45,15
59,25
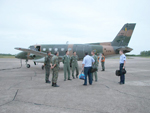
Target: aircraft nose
17,55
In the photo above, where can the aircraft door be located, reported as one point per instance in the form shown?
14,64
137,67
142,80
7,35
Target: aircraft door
38,48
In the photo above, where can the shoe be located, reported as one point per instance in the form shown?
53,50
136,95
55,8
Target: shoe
52,84
95,80
47,81
64,79
90,84
69,79
85,84
76,76
55,85
73,77
121,83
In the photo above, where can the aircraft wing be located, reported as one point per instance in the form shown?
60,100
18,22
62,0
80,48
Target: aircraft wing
41,60
32,51
126,49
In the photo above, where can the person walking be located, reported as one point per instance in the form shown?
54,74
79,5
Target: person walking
122,66
86,68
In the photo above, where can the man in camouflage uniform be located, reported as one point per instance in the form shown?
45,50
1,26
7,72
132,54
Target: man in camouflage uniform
103,62
66,62
47,64
98,58
95,64
55,68
74,64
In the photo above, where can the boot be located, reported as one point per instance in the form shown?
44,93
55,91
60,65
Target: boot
52,84
55,85
69,79
47,81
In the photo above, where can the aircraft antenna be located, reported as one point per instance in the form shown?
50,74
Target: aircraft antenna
67,42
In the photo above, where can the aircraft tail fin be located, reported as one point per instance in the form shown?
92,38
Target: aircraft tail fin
124,36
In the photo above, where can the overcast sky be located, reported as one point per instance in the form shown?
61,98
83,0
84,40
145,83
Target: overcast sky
28,22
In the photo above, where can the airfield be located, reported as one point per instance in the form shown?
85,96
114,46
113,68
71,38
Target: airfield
24,90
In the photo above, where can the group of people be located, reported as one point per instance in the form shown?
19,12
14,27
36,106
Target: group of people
88,62
53,63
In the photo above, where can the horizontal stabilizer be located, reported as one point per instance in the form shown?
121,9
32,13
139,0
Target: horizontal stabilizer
125,49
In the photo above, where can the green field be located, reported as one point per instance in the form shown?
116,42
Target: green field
7,56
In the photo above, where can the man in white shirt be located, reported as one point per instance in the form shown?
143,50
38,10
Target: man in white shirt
86,68
122,66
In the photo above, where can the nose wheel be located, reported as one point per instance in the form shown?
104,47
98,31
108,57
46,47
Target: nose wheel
27,65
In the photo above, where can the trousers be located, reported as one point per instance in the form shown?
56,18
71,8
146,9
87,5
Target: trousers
122,76
87,72
55,75
66,70
47,72
103,65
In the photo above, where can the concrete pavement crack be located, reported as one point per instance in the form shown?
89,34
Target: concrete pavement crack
14,85
15,94
125,93
11,100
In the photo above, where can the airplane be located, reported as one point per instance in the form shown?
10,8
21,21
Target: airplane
37,53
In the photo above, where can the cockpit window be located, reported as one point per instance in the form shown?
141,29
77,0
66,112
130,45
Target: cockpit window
35,48
32,48
56,49
44,49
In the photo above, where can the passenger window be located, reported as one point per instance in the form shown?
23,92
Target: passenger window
62,49
44,49
50,49
56,49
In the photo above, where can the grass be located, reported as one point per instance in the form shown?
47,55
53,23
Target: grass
7,56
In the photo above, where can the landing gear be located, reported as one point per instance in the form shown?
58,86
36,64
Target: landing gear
34,63
27,65
42,67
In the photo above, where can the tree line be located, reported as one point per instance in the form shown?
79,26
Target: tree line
145,53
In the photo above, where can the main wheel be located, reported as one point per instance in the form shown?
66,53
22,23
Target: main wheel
28,65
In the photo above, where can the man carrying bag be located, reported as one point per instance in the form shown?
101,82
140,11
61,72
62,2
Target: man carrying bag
86,68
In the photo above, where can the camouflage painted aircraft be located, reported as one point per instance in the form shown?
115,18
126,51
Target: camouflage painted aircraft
37,53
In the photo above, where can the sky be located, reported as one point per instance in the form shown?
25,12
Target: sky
28,22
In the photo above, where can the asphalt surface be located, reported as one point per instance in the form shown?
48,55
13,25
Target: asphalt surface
24,90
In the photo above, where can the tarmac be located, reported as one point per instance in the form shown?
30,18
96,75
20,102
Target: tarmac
24,90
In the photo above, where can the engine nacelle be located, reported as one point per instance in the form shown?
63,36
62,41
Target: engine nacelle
32,55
